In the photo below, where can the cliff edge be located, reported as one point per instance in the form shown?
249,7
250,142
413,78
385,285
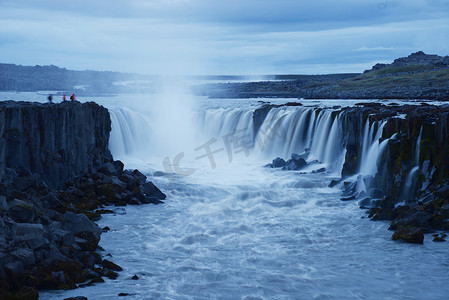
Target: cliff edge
56,177
56,142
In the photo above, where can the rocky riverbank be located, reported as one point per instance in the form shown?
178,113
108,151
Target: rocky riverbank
56,177
411,186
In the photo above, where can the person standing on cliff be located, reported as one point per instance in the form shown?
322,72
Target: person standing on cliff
50,98
72,97
63,98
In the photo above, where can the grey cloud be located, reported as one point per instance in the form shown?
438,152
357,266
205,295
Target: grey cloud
256,37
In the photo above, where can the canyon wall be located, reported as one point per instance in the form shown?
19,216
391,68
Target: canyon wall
54,142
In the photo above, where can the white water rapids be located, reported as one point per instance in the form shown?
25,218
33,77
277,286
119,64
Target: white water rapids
231,228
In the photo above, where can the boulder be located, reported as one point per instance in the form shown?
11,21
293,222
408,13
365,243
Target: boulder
64,237
32,234
410,235
295,163
439,237
130,180
141,178
297,157
14,268
419,219
111,266
25,256
108,169
152,191
118,166
21,211
77,223
278,163
299,162
87,240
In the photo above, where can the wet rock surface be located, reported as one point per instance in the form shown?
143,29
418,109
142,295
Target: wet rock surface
54,244
411,186
48,235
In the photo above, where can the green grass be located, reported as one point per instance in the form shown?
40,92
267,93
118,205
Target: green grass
399,76
391,70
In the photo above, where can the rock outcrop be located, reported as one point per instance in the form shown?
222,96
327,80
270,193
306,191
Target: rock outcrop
411,185
57,175
417,58
54,142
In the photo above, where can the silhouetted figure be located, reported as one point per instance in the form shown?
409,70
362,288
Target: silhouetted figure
72,97
63,98
50,98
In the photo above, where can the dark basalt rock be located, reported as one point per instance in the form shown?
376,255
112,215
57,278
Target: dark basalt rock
54,142
425,199
421,200
439,237
296,162
410,235
56,175
152,191
278,163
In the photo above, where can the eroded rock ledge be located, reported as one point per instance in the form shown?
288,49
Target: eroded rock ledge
56,176
411,186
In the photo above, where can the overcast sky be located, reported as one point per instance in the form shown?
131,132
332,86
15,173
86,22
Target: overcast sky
220,36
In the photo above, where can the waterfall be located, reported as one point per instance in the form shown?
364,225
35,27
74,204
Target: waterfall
289,130
408,187
130,132
372,148
220,123
417,147
321,135
285,130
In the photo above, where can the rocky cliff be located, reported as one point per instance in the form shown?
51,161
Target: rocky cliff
416,59
56,176
411,185
55,142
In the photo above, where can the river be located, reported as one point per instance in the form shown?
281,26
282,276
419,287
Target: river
233,228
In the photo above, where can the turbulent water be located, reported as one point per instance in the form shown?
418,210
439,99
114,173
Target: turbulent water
231,228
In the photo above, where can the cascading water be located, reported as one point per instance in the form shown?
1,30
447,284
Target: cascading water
130,133
286,131
242,231
408,187
219,123
372,148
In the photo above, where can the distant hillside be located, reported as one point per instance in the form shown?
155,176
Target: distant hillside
34,78
418,76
